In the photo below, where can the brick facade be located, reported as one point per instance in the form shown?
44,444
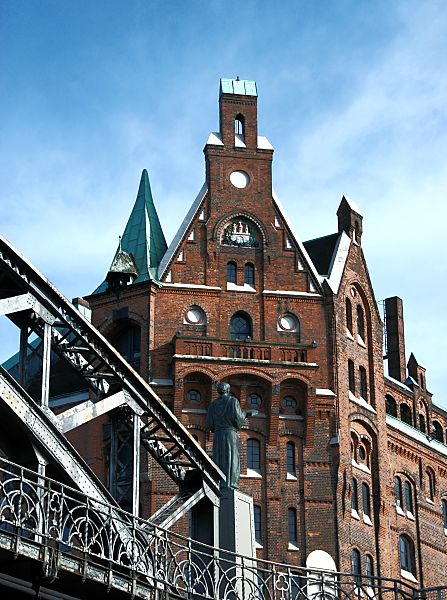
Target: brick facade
303,328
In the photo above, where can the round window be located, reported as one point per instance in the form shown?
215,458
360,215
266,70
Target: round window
289,402
194,316
288,322
193,396
240,179
254,400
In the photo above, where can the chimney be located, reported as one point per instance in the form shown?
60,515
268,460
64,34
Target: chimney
394,324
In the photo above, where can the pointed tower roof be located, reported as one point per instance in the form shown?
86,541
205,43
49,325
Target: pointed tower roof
143,237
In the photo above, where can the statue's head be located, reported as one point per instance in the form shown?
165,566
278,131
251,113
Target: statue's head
223,388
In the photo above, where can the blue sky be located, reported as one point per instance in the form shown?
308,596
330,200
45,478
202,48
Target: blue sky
352,94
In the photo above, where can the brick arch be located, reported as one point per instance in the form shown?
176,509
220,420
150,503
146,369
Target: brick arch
217,231
187,305
254,429
367,422
300,378
229,372
107,326
409,476
182,373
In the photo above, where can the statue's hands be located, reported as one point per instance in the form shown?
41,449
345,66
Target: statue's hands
251,413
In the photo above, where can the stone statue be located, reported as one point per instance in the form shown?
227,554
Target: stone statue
225,417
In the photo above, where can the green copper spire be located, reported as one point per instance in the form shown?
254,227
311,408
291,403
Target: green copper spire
143,238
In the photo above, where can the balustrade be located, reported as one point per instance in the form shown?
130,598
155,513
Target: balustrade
36,508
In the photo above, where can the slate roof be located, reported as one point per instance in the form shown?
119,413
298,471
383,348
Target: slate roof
143,237
321,250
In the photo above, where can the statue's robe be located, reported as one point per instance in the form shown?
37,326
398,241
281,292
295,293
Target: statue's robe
224,419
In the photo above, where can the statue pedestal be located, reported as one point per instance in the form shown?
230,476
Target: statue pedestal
236,523
238,574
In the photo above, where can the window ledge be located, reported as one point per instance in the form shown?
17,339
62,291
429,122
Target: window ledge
291,477
349,334
407,575
233,287
292,546
399,510
258,545
251,473
355,514
445,530
361,402
360,341
360,466
430,501
410,515
367,520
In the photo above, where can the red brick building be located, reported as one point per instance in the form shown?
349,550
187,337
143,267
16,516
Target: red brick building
340,457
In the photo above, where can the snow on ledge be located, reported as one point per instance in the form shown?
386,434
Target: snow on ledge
416,435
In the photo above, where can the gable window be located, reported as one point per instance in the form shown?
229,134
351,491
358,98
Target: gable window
253,456
406,414
348,315
231,272
351,376
239,127
363,384
406,551
240,327
291,470
249,275
360,322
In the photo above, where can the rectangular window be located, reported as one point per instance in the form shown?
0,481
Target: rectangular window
363,383
254,455
257,520
291,515
354,496
351,376
291,458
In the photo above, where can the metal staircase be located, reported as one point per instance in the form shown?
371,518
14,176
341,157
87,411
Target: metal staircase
34,305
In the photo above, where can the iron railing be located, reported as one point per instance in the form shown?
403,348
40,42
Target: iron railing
40,510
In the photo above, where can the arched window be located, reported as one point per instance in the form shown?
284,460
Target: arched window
231,272
398,492
366,500
391,407
193,396
369,566
258,526
406,414
444,513
355,496
431,485
239,127
422,426
240,327
351,376
291,470
406,550
254,400
128,343
437,431
348,309
291,519
249,274
254,456
356,565
360,322
408,497
363,383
